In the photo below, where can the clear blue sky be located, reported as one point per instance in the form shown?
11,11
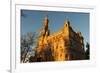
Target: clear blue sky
32,21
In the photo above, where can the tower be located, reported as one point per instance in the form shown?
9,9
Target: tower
44,33
42,49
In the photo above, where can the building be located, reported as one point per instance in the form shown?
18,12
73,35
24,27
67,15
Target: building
66,44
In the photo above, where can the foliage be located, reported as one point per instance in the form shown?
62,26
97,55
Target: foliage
87,53
27,41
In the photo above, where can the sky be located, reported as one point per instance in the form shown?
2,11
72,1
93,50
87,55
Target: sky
32,21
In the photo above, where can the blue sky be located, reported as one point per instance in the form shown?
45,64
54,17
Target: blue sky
32,21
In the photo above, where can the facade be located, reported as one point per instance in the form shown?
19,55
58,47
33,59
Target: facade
66,44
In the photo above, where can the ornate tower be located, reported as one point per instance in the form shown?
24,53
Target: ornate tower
42,40
44,33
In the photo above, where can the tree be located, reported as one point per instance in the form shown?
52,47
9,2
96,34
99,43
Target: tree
87,53
27,41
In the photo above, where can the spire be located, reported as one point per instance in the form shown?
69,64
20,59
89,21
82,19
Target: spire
46,20
66,22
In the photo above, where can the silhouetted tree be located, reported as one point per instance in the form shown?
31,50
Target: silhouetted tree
27,41
32,59
87,53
